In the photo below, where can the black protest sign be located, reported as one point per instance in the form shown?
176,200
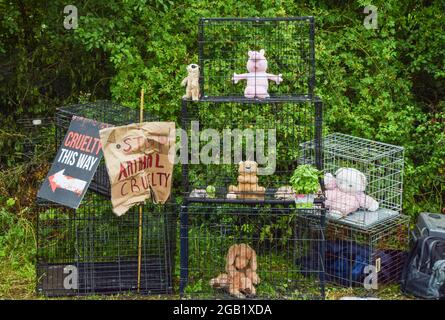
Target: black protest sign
75,164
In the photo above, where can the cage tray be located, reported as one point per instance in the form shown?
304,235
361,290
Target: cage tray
105,277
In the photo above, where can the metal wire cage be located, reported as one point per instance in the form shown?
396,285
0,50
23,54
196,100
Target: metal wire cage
282,239
354,255
288,42
91,251
102,111
38,138
221,132
363,179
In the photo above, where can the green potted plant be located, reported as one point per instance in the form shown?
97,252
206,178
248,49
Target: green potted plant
305,183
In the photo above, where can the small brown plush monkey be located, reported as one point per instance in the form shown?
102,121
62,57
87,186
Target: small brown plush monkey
191,82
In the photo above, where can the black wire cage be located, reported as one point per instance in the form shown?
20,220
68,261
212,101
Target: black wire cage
368,258
233,124
92,251
103,111
288,44
363,179
38,138
280,241
221,132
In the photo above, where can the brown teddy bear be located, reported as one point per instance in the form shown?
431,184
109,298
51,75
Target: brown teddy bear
248,187
191,82
240,276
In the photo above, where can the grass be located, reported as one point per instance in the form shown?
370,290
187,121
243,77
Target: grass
17,252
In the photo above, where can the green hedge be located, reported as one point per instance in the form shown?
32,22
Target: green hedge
386,84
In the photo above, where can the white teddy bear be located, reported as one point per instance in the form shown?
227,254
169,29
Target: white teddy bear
345,193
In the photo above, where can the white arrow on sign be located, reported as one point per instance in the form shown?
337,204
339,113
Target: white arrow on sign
59,180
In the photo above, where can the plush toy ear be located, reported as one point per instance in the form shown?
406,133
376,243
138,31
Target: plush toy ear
363,177
338,171
251,53
330,182
253,263
262,52
230,259
240,163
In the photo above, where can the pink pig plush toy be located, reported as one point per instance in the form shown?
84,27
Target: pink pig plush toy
345,193
257,78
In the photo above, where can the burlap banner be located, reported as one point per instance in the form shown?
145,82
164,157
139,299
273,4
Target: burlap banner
139,159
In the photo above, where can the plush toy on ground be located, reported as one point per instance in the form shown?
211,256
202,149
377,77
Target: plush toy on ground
237,284
248,187
345,193
257,78
191,82
240,276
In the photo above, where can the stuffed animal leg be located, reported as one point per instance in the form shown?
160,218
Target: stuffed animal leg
369,203
237,284
241,286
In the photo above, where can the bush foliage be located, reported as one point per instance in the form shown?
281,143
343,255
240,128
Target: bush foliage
386,84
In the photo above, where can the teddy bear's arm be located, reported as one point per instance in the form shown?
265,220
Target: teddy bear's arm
184,82
237,77
276,78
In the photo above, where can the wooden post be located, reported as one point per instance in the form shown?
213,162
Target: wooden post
141,119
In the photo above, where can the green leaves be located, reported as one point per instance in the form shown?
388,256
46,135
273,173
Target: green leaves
305,179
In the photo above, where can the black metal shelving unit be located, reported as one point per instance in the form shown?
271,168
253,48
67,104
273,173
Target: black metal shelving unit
295,114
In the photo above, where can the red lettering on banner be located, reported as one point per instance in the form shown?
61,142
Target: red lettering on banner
157,161
122,172
122,189
134,185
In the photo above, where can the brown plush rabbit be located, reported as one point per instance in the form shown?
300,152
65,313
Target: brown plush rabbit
242,258
241,276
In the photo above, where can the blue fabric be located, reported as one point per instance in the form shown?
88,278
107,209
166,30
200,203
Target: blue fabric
345,262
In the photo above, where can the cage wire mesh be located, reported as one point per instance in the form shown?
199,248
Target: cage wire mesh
92,251
352,254
105,112
226,132
282,238
379,175
100,248
224,44
38,137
